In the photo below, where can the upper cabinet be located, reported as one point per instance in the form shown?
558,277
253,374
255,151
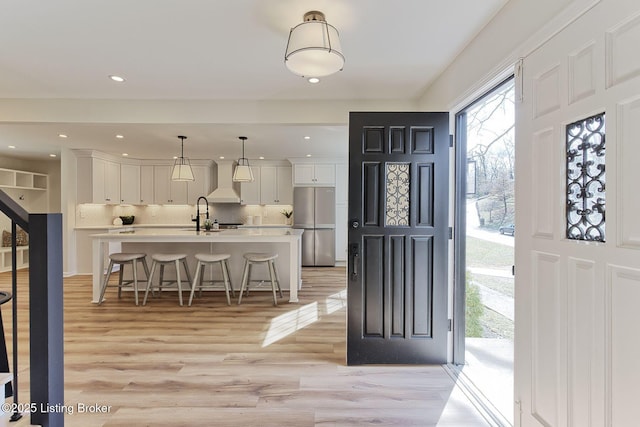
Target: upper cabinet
99,181
130,184
275,185
314,174
146,185
201,186
250,191
167,192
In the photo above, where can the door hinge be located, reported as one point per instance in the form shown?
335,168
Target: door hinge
513,270
450,233
450,140
450,325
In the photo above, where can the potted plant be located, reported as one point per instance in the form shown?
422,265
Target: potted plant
287,214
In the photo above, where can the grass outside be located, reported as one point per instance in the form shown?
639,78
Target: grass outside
485,254
490,255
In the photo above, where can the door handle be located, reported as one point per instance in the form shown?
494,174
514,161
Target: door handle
354,253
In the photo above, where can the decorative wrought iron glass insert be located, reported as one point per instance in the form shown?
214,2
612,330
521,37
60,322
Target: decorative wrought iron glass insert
397,194
586,179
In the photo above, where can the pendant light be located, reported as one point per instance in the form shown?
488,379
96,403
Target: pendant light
313,48
243,171
182,167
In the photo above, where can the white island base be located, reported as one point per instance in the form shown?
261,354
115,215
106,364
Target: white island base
285,242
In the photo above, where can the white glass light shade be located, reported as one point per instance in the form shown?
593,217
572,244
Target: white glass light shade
314,50
243,173
182,170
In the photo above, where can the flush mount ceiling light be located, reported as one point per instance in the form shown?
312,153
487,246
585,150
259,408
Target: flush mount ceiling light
313,48
182,166
243,171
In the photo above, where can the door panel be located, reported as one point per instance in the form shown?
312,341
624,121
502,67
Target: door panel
576,300
398,238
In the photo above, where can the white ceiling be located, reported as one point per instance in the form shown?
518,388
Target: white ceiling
196,51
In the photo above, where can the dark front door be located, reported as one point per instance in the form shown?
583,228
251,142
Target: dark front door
398,238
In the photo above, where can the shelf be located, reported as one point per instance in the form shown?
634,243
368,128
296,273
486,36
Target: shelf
24,180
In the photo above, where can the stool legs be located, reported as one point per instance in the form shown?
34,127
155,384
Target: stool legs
199,279
105,282
121,281
273,276
178,278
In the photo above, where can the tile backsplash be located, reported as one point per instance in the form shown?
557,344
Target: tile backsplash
92,215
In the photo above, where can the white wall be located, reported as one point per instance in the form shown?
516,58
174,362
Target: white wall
497,47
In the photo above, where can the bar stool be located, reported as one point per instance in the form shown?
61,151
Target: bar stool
210,259
260,258
123,259
167,259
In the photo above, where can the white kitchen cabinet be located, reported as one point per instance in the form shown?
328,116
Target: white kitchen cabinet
129,184
250,191
146,185
98,181
201,186
166,191
275,185
314,174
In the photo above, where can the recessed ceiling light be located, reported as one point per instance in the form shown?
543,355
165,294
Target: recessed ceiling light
175,157
12,146
119,136
125,154
52,155
313,80
307,137
308,155
221,157
62,135
117,78
261,157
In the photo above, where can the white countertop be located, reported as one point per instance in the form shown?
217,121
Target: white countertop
191,224
188,234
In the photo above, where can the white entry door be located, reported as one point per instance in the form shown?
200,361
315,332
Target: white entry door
578,301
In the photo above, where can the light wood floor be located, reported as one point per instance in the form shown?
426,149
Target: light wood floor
218,365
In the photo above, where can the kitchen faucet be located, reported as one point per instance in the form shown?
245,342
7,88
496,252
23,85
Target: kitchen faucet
197,218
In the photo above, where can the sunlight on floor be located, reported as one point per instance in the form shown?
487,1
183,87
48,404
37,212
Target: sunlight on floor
288,323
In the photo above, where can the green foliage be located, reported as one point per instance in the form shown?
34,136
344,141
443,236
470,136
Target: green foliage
473,309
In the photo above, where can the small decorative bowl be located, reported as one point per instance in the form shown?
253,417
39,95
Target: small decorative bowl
127,220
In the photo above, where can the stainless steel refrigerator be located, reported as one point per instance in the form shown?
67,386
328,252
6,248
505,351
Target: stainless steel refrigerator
314,210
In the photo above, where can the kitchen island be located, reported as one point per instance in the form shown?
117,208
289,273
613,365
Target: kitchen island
285,242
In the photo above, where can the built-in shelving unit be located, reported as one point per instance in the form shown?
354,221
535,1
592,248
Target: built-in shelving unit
14,181
10,178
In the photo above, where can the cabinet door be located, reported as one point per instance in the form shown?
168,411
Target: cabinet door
161,188
146,185
112,183
98,177
129,184
179,193
201,185
250,191
325,174
268,185
284,185
303,174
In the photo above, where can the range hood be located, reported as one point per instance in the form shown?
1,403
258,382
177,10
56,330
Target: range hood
227,191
